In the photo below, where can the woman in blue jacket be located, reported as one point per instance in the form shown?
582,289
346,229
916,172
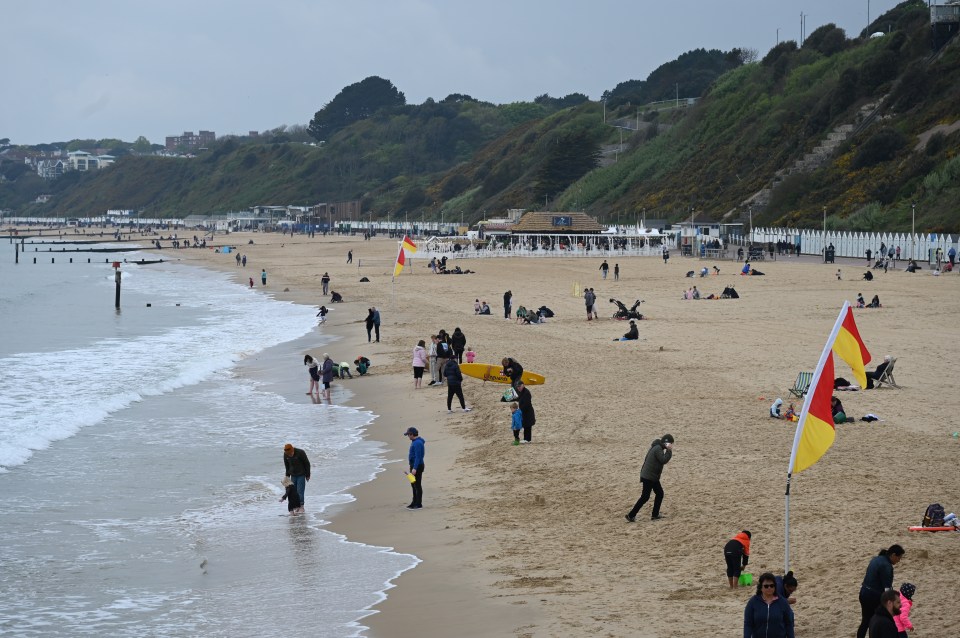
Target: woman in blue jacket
767,615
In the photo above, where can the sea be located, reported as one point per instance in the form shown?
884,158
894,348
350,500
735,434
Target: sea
141,459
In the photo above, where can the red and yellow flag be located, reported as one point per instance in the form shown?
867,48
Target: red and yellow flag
815,429
408,244
849,347
401,261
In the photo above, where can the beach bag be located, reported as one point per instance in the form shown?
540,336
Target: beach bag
934,515
509,395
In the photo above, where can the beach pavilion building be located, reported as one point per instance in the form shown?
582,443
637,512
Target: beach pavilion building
571,231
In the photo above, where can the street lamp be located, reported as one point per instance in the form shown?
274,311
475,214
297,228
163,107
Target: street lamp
913,229
824,234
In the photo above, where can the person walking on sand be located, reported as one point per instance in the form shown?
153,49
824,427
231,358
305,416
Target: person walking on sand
314,369
877,580
506,304
325,282
251,282
244,261
327,375
434,367
604,267
659,454
415,458
419,363
297,467
616,272
369,324
737,554
349,256
588,300
527,414
376,322
263,276
451,372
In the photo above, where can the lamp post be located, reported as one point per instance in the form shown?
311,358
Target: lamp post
913,229
824,234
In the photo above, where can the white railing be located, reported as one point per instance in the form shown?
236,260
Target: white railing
921,247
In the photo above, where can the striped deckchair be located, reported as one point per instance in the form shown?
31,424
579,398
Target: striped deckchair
802,384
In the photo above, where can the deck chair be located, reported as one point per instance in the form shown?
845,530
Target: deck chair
802,384
887,376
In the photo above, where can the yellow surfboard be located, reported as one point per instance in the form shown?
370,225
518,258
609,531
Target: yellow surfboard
494,373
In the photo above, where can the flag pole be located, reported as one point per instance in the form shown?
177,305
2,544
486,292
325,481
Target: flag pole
814,382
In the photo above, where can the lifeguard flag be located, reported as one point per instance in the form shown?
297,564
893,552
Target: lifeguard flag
815,429
401,260
849,347
408,244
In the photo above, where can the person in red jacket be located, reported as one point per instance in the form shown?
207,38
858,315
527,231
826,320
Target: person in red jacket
737,553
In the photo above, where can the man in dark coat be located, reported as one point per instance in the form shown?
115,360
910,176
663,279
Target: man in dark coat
297,467
506,304
882,624
527,414
659,454
454,378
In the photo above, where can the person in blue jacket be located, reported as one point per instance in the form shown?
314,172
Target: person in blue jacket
415,457
767,615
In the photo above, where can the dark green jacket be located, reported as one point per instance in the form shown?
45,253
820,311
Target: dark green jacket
657,457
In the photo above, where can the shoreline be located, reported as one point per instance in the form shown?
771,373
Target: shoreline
435,587
530,540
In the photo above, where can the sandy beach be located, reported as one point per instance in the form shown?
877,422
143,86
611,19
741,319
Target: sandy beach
531,540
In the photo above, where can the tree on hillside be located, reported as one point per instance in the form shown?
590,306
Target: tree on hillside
828,39
690,75
142,145
354,103
571,156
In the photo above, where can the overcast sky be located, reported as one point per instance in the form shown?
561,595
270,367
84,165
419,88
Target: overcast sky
125,68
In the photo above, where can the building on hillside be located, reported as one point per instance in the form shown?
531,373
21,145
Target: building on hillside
189,140
50,168
84,161
944,22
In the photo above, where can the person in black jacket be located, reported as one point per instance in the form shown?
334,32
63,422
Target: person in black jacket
290,496
506,304
527,414
659,454
512,369
877,580
297,467
876,374
882,624
454,378
458,341
632,334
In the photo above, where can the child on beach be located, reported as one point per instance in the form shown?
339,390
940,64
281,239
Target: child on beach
294,506
516,423
323,313
470,354
902,620
251,282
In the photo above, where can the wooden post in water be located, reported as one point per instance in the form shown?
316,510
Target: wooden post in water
116,275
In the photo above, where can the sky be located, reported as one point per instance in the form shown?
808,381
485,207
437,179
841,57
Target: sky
126,68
